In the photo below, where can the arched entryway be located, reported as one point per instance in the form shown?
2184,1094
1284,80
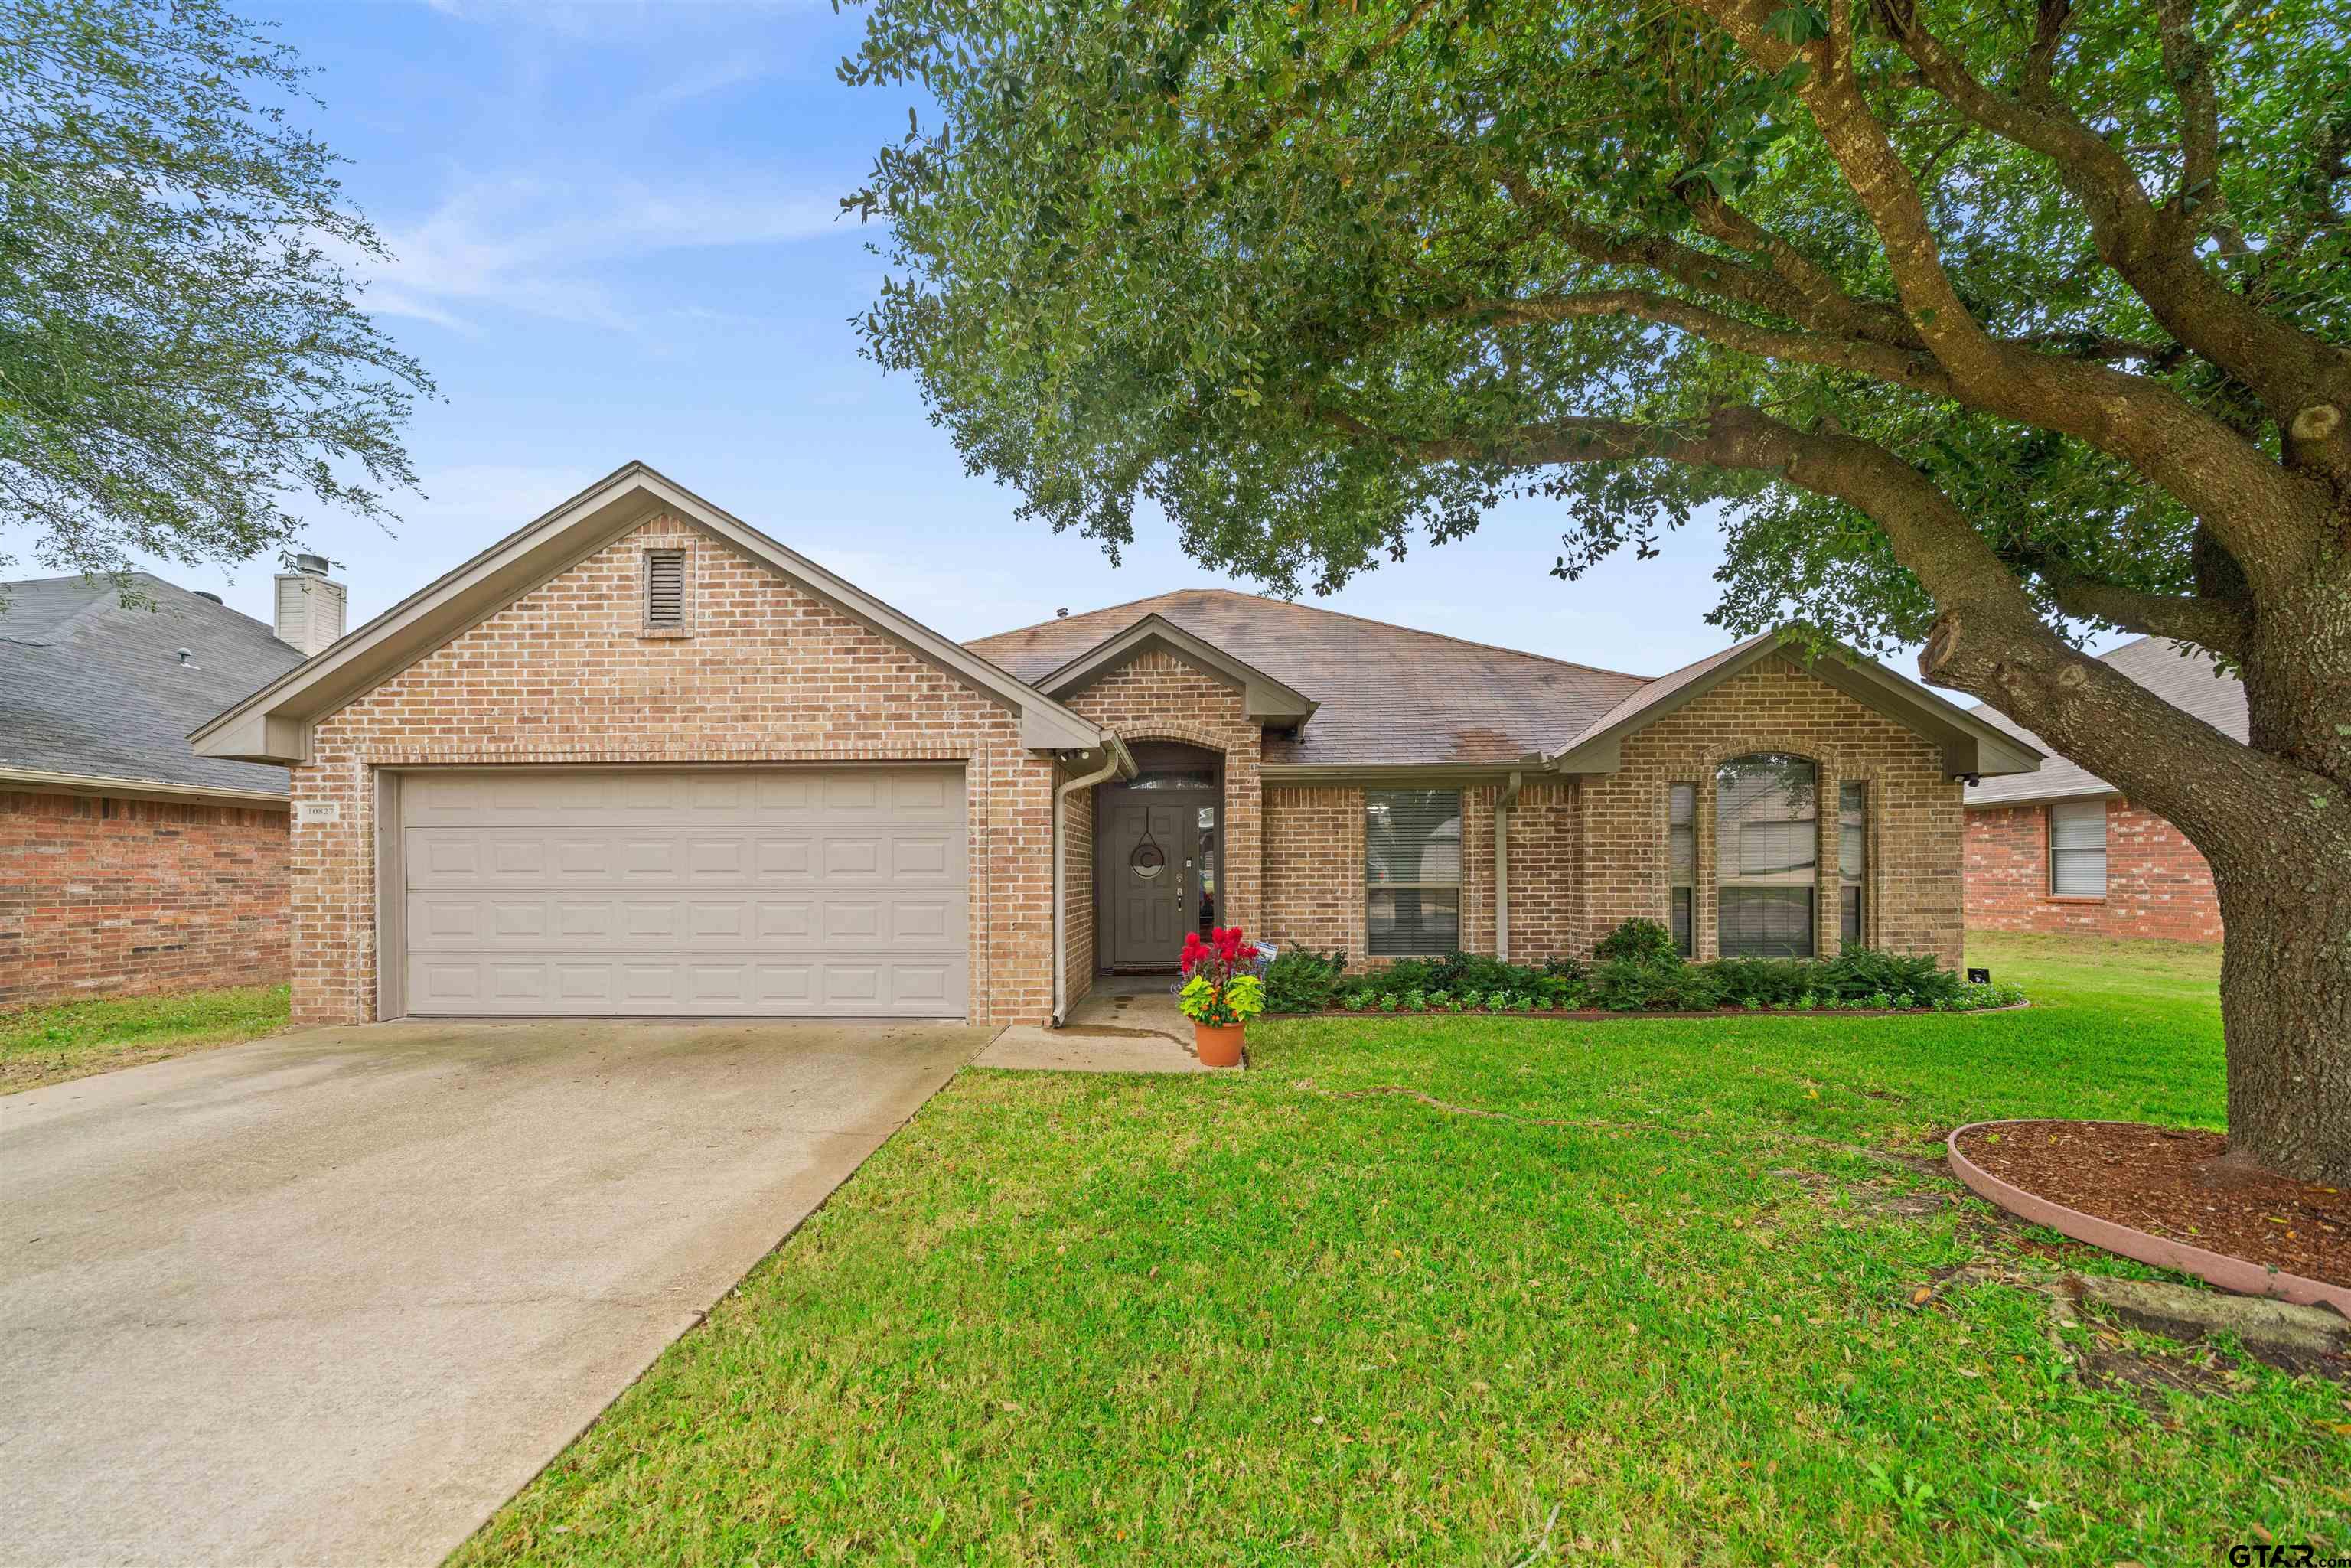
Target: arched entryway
1158,856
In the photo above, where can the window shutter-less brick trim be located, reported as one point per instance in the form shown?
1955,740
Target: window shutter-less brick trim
665,593
2077,849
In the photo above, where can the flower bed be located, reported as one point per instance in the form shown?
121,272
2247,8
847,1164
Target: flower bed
1636,972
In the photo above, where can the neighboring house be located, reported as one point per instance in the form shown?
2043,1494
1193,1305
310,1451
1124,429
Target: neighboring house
2063,850
127,864
638,757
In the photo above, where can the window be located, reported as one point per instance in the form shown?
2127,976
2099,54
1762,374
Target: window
1853,860
1681,863
2077,849
1412,870
665,590
1767,843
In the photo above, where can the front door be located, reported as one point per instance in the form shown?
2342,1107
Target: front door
1147,870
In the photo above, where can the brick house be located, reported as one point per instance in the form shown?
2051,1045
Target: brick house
2064,851
639,758
127,864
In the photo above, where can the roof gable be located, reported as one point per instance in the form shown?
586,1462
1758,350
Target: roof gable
1970,748
274,723
1264,699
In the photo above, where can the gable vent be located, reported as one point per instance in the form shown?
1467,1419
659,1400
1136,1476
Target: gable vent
665,590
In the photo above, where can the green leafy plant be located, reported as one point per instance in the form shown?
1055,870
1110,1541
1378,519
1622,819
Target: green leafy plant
1302,980
1646,941
1632,985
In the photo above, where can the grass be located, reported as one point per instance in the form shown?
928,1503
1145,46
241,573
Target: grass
1275,1319
74,1039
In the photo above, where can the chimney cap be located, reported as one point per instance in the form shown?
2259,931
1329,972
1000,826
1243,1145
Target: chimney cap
311,565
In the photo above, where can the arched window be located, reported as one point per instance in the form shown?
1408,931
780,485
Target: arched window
1767,842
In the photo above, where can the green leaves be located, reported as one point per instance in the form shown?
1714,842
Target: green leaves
183,357
1279,273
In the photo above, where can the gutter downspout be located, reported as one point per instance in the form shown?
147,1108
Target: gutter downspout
1502,804
1116,758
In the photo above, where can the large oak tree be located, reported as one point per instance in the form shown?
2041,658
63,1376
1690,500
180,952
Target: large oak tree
1983,321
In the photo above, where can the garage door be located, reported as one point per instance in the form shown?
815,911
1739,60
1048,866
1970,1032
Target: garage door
824,892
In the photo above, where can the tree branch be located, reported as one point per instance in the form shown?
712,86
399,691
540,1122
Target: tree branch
2211,623
1989,639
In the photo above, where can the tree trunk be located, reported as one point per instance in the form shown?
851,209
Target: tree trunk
2285,1006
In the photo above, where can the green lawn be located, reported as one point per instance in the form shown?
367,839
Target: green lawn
74,1039
1255,1319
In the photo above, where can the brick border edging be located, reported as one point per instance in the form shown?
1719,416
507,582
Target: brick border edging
1605,1015
2217,1268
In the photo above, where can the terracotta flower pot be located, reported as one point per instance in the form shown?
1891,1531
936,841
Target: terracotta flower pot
1217,1047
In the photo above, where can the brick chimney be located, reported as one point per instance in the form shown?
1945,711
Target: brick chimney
310,605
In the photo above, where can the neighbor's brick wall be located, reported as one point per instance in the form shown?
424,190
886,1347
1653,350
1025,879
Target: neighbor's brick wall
1157,697
1915,891
102,896
770,675
2158,884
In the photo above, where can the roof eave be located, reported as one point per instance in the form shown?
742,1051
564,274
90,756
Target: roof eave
274,724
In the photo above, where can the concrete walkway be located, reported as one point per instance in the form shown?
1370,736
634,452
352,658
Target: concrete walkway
331,1298
1122,1026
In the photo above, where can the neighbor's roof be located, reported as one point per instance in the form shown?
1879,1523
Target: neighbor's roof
91,689
1389,695
2189,682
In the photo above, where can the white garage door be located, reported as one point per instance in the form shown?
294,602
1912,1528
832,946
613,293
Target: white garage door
829,892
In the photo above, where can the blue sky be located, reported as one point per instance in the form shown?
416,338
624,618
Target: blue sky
617,238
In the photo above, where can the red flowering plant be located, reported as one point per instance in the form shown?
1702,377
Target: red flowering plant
1221,986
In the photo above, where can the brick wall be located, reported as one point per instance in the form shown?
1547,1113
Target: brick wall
1314,868
101,897
1915,895
1157,697
1078,885
2158,884
1545,913
769,675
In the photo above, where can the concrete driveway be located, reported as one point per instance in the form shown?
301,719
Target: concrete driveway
333,1297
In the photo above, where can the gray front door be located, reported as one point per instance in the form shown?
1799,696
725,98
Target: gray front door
1149,889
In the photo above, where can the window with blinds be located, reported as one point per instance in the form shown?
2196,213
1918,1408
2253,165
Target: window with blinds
1412,871
665,590
1681,864
1853,860
2077,849
1767,854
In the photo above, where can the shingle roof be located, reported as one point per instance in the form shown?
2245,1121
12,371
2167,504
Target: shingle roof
2186,681
90,687
1390,695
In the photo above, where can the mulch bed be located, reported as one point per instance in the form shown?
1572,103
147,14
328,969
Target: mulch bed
2172,1182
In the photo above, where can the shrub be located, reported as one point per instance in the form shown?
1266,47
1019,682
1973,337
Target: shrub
1632,985
1302,980
1763,982
1641,940
1970,997
1867,972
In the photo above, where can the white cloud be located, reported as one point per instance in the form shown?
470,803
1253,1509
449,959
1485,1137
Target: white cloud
544,248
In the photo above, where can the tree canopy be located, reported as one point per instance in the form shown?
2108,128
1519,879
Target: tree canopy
183,356
1983,321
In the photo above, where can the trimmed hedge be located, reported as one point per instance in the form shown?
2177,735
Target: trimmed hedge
1631,976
